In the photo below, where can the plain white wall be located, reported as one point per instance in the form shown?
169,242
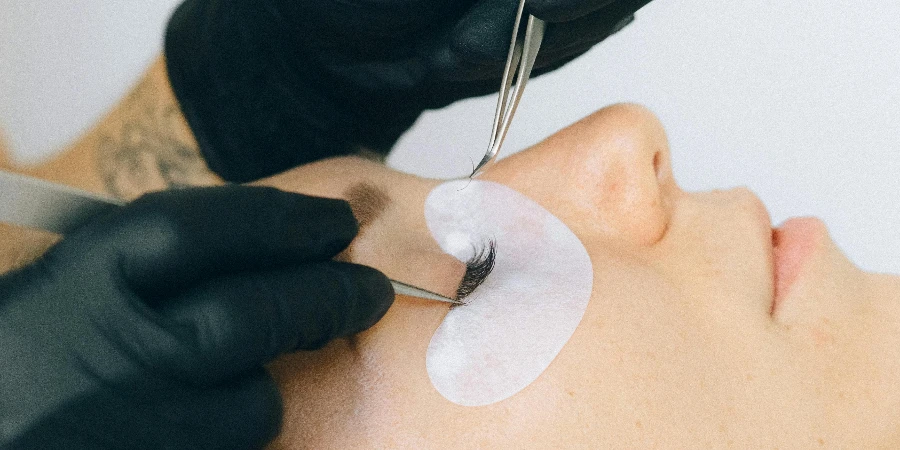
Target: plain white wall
62,64
800,101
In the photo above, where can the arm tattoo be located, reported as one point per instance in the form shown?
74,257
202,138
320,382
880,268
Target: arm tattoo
147,150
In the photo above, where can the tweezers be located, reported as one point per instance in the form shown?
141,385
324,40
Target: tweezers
34,203
522,55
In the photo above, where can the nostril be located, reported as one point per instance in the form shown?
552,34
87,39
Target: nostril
657,164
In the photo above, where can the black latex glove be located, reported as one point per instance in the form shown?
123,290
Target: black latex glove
270,84
149,328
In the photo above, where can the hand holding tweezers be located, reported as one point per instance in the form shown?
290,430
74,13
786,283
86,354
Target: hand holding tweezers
34,203
522,55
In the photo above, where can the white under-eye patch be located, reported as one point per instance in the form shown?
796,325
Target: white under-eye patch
519,319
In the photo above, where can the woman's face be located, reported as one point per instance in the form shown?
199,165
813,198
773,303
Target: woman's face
696,333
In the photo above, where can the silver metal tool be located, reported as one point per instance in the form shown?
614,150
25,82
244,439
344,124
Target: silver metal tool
34,203
520,60
412,291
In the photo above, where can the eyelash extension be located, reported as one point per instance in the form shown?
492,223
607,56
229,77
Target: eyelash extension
477,270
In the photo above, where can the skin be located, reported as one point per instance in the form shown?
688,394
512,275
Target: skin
143,144
679,347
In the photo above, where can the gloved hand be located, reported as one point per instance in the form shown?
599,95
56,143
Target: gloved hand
270,84
149,328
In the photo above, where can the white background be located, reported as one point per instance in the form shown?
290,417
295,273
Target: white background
800,101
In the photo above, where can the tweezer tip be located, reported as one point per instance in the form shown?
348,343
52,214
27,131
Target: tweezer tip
477,170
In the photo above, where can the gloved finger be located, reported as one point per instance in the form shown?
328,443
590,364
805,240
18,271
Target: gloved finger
551,60
565,10
239,414
487,81
588,30
368,19
474,48
477,48
483,35
167,241
237,323
481,79
551,65
447,92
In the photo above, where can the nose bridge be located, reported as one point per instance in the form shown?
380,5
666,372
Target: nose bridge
608,174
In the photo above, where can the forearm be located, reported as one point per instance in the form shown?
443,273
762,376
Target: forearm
142,145
20,246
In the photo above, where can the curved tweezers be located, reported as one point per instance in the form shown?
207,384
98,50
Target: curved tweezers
522,54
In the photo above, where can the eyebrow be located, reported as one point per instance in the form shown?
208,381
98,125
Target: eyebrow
368,202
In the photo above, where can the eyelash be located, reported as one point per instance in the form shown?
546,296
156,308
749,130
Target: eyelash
477,269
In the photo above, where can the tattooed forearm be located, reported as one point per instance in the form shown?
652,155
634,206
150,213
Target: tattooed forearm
142,145
149,147
144,157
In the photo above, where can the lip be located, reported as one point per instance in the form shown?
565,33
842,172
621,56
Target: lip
793,244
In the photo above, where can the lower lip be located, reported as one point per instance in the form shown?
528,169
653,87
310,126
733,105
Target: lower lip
793,242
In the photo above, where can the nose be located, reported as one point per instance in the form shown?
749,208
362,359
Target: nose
608,175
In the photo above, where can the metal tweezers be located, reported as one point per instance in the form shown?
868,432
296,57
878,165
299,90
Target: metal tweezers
59,209
522,55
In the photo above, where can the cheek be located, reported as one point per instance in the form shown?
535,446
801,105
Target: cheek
392,384
314,385
626,364
641,358
634,313
354,386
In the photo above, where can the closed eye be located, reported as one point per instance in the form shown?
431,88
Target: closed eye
477,269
